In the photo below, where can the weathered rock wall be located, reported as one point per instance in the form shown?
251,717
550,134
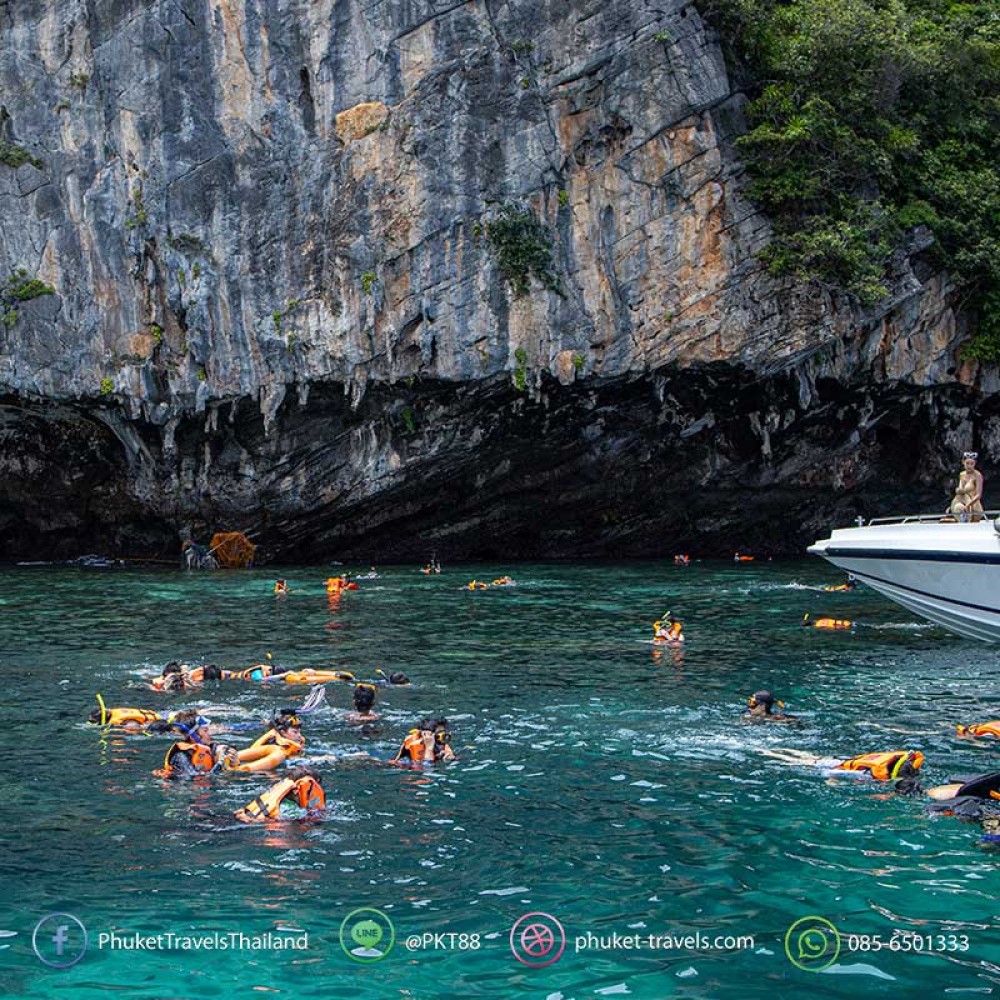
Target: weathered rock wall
277,305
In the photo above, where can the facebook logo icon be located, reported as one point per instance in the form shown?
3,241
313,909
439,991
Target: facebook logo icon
59,940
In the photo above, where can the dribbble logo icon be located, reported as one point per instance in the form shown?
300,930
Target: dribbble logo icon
59,940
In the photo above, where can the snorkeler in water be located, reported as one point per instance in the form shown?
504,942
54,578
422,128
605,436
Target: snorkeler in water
668,630
900,766
137,720
395,679
132,719
364,701
302,787
982,786
429,742
828,624
178,676
980,730
760,708
284,739
198,754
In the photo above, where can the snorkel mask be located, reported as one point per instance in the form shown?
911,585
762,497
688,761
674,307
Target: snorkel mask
285,721
191,730
753,701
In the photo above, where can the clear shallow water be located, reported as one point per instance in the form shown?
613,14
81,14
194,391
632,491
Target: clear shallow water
603,781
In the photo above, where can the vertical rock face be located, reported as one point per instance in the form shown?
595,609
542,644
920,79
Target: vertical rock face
277,304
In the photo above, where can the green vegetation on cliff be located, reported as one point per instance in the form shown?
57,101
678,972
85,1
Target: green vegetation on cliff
866,119
17,156
20,287
522,246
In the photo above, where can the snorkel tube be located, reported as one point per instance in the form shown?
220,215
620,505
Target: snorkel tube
104,711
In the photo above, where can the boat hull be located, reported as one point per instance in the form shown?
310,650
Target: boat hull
946,573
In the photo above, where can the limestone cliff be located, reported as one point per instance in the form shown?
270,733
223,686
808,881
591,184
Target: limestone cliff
277,303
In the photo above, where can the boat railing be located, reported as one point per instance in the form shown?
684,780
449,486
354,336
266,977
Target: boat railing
988,515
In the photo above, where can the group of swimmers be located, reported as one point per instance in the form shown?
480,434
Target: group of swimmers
335,585
826,622
974,797
501,581
196,752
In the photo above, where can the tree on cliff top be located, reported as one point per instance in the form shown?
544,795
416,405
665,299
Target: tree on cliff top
867,118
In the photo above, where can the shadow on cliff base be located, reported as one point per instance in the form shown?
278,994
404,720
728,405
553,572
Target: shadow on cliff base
64,489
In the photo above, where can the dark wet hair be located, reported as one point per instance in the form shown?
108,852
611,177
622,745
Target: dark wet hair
304,772
212,672
285,718
95,716
364,697
764,698
398,678
173,680
173,667
909,780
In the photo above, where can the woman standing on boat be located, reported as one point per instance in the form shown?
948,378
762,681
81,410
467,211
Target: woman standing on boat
967,502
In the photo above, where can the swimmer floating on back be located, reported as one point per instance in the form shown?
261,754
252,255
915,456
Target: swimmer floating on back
311,675
850,584
830,624
760,709
283,740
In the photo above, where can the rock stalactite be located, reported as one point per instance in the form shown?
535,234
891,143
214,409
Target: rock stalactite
276,302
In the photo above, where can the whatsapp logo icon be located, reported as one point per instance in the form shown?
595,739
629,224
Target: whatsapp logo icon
812,944
367,935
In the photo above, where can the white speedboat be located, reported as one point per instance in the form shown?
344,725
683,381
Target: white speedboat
948,573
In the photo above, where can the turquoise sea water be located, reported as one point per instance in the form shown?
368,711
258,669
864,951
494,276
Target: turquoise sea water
602,781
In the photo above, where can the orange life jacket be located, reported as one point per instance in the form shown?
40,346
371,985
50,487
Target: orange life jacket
980,729
273,737
308,794
311,676
832,623
412,745
122,716
202,757
195,676
883,766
